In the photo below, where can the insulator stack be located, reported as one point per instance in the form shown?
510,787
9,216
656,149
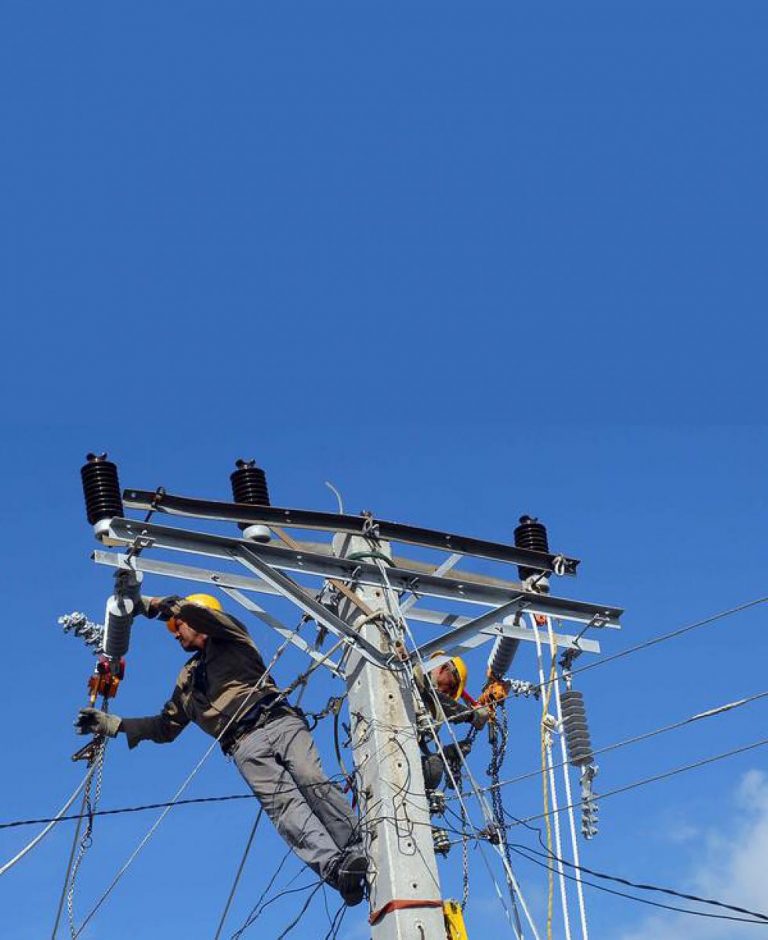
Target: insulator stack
249,485
530,534
436,802
117,626
502,654
440,841
576,729
101,489
79,625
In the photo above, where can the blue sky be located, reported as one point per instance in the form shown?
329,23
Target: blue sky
463,262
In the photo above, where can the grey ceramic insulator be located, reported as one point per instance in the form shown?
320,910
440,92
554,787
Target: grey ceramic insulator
117,626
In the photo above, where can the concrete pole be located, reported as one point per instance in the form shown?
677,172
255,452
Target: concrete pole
398,834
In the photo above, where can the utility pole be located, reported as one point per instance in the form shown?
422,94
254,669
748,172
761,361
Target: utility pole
405,896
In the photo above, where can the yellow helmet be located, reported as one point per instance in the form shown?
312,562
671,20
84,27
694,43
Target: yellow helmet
460,667
461,671
204,600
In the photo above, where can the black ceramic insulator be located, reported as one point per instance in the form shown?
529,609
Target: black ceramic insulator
530,534
101,488
576,729
249,485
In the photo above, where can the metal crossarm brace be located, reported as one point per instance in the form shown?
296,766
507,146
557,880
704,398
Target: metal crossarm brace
353,525
226,580
309,605
239,550
447,641
472,633
401,579
222,579
470,629
232,584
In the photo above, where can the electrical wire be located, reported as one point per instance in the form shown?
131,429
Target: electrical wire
302,912
68,869
657,777
758,919
59,817
646,735
239,873
340,778
673,634
650,887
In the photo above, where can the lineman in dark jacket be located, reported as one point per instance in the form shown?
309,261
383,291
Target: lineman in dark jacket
225,689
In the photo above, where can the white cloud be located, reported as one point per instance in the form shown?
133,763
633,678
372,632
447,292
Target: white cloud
732,868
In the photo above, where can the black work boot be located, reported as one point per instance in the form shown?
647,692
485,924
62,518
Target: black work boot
350,877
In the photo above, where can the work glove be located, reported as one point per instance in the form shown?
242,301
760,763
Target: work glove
480,718
165,607
92,721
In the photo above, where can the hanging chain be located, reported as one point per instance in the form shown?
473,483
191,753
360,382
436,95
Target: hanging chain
91,805
499,735
464,846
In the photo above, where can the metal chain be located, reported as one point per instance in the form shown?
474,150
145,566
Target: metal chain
87,839
499,737
464,847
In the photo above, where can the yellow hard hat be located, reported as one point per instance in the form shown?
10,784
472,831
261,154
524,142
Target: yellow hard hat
204,600
461,671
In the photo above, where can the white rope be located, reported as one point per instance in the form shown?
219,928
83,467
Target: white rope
569,803
44,832
393,599
552,780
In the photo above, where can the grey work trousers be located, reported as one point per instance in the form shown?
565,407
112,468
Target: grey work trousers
280,764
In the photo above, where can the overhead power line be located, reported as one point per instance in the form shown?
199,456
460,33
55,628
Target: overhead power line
646,735
673,634
756,919
646,887
655,778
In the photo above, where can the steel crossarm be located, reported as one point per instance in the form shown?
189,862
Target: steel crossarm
288,588
508,628
147,535
350,524
232,584
468,634
344,569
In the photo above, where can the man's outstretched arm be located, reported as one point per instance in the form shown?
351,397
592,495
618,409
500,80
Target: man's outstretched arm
162,728
213,623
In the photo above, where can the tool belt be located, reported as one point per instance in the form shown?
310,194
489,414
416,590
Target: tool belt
261,714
